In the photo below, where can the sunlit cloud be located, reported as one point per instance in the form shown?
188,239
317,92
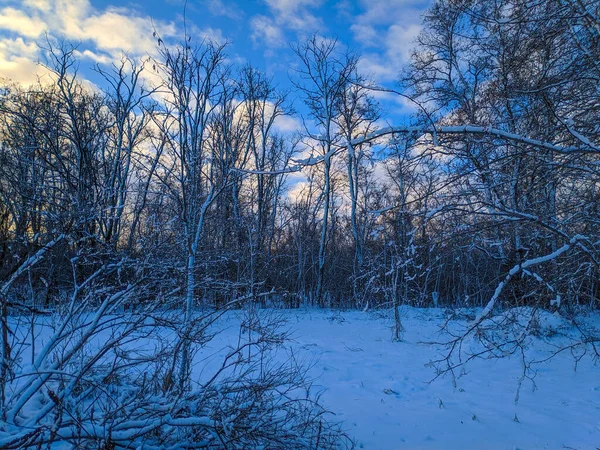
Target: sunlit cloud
17,21
101,36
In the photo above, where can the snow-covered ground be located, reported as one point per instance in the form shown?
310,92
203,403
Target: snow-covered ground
381,389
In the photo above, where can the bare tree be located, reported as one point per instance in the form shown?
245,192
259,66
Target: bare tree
193,95
323,79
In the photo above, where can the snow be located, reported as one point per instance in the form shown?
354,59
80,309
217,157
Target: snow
475,130
384,393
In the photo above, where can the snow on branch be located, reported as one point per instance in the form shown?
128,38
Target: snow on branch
29,262
485,312
471,129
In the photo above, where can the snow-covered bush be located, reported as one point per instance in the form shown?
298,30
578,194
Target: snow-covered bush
103,378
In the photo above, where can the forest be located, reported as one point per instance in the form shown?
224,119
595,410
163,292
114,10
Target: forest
137,212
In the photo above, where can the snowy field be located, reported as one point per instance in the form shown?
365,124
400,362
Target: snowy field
380,389
383,391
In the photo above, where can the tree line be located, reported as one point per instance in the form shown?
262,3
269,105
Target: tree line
189,179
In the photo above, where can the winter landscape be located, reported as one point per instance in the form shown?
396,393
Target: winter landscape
300,224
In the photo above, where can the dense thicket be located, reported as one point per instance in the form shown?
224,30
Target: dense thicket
189,177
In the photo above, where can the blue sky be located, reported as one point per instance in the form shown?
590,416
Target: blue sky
259,31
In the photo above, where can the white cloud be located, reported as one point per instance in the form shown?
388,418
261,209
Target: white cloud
294,15
17,21
397,43
297,187
364,33
287,124
344,9
18,61
17,47
212,34
93,56
18,68
103,34
400,40
219,8
387,31
378,67
386,12
264,31
43,5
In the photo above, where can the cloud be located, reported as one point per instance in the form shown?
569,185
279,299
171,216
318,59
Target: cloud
100,35
285,15
17,21
400,40
364,33
17,62
134,36
385,12
42,5
103,35
219,8
387,30
297,185
113,30
387,62
345,9
264,31
98,58
295,14
287,124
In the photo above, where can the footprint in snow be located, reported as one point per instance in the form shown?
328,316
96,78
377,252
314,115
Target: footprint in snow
387,391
